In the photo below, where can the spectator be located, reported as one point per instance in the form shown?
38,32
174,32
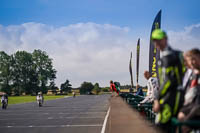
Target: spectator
188,72
152,88
139,91
113,89
117,86
191,107
171,71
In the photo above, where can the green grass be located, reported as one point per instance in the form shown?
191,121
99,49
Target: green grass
26,99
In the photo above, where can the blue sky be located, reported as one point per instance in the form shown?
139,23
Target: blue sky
132,13
91,33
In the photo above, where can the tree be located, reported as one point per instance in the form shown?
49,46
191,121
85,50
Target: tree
53,87
66,86
24,77
125,86
5,73
106,89
97,89
44,69
26,72
86,88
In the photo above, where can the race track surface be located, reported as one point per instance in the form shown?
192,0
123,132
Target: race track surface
83,114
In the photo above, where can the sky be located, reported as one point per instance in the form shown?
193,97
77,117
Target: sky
91,40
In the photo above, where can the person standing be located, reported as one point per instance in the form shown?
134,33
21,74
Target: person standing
191,107
188,72
171,71
113,89
152,88
117,86
139,91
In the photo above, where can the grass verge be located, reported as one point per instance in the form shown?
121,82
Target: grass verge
26,99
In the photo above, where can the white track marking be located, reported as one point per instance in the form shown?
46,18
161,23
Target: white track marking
52,113
51,126
105,121
8,119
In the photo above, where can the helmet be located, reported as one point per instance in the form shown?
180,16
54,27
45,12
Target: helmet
39,93
158,34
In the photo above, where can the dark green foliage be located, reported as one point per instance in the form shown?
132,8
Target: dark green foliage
22,72
44,69
125,86
86,88
5,72
25,72
53,87
66,86
106,89
97,89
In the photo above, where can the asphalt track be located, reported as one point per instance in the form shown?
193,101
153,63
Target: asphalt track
83,114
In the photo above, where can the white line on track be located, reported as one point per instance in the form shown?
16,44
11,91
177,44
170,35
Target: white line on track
51,126
50,118
105,121
53,109
52,113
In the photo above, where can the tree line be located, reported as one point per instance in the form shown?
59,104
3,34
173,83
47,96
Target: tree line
30,73
85,88
24,72
89,88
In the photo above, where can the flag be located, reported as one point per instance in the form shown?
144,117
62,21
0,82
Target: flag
138,60
154,54
130,70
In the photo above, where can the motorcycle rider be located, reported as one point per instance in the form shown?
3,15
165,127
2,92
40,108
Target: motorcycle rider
4,101
74,94
40,99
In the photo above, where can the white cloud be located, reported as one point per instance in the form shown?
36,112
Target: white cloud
80,52
186,39
88,51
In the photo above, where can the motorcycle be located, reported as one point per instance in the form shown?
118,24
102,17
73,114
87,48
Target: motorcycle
74,94
4,104
40,101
